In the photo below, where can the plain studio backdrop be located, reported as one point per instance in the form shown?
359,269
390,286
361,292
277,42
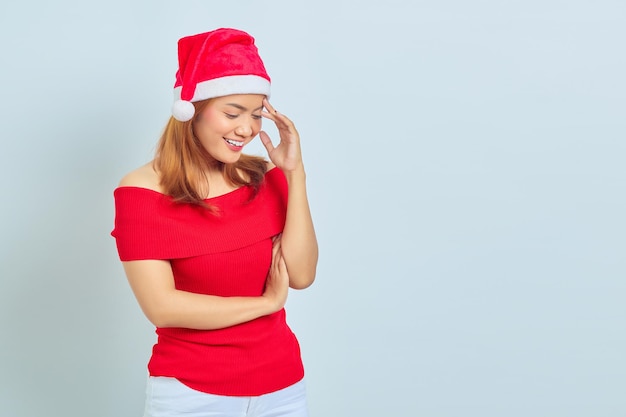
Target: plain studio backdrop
466,170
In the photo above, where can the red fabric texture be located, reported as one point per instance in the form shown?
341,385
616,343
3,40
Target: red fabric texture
212,55
228,254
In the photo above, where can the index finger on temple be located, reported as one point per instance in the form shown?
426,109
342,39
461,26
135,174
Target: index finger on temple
268,106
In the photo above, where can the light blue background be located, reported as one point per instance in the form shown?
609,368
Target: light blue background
466,173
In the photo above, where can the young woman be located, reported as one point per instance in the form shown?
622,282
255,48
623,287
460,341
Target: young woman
211,239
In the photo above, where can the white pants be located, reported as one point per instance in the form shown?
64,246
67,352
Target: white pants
167,397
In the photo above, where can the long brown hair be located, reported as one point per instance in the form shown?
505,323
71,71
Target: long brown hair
182,162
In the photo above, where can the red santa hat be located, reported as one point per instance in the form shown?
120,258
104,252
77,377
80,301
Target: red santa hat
215,64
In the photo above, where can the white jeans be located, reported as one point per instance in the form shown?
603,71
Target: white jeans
167,397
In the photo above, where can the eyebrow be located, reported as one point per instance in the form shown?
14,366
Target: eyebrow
242,108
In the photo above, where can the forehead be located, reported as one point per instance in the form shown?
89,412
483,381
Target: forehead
245,101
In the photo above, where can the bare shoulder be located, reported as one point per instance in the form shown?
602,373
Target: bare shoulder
144,177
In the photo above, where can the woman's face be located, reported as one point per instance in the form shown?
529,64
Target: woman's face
227,124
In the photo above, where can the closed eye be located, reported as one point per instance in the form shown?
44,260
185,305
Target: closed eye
234,116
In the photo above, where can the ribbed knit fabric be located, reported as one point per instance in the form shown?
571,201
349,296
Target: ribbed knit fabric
228,254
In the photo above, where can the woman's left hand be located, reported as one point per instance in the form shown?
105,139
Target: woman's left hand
287,155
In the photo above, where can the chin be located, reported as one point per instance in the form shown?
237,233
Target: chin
231,159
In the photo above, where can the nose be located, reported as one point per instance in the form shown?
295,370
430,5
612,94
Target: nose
244,129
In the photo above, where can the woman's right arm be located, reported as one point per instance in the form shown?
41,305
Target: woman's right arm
152,283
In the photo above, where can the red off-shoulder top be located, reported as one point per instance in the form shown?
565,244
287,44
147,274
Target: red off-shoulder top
224,254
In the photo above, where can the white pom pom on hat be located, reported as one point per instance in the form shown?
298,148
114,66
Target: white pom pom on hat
215,64
183,110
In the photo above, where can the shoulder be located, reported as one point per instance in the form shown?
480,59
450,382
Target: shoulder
143,177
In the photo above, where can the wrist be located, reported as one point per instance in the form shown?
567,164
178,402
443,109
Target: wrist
296,174
269,305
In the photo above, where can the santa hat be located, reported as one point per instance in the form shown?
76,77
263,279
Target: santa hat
215,64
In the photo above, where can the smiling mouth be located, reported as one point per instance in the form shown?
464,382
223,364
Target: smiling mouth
234,142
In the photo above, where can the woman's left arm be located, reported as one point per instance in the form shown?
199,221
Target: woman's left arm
298,241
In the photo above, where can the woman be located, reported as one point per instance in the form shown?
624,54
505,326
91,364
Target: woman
211,239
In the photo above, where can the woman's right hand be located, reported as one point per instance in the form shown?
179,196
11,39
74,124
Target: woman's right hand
277,283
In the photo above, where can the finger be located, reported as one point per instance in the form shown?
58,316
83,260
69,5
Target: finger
277,247
276,252
282,268
282,121
267,142
286,120
268,106
268,115
274,115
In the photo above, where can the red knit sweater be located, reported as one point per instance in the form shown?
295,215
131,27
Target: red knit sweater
226,255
